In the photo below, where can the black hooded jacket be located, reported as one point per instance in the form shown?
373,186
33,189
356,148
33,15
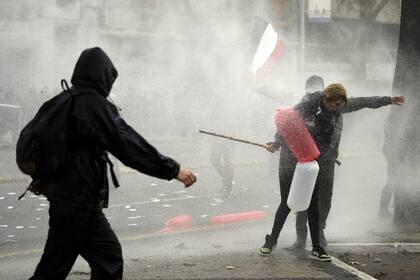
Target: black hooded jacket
325,126
97,127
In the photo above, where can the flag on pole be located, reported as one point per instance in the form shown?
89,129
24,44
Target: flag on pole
266,48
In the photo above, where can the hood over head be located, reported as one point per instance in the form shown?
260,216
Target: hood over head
95,69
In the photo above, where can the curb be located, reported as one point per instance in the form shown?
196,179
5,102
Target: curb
237,217
350,269
180,222
387,247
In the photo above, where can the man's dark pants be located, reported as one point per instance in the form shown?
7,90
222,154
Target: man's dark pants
77,231
325,184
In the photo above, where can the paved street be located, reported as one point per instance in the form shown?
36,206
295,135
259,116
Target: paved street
141,206
206,253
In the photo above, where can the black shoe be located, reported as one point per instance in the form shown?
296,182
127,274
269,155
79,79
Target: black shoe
319,254
268,246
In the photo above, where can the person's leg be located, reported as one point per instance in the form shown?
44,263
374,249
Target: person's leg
318,251
301,229
102,250
226,156
326,183
66,226
215,158
386,196
281,213
313,217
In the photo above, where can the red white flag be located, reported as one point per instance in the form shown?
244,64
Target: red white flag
266,47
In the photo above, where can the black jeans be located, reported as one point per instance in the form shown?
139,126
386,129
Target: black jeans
325,182
77,231
285,177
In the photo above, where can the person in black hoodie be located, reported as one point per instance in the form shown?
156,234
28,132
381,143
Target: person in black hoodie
322,113
77,195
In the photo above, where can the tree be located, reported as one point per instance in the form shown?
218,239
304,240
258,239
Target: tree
402,130
369,10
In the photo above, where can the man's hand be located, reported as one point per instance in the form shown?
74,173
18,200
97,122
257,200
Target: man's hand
398,100
271,147
186,176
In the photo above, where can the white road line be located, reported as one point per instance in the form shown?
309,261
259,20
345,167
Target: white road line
392,244
160,201
352,270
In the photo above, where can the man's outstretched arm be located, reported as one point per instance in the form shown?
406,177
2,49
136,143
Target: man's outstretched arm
372,102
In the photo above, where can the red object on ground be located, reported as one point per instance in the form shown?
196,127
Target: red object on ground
294,131
237,217
177,223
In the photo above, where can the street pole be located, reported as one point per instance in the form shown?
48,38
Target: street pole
302,45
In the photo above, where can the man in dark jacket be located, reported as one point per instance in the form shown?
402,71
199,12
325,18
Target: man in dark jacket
77,225
322,112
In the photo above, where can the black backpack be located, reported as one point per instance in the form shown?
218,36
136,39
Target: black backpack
43,145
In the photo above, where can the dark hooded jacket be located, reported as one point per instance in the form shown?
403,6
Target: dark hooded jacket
325,126
97,127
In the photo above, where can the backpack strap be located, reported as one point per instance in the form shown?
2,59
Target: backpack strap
27,189
64,85
111,168
34,187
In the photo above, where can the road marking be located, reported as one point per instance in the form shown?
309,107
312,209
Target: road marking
160,201
20,253
360,274
137,237
393,244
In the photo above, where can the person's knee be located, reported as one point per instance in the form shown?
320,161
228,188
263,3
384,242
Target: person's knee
111,269
99,273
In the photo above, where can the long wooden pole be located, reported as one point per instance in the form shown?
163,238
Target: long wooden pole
233,138
244,141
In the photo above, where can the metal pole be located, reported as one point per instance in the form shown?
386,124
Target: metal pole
302,44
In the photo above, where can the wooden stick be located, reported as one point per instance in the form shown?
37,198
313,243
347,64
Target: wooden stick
244,141
233,139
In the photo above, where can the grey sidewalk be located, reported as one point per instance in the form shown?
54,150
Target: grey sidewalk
229,252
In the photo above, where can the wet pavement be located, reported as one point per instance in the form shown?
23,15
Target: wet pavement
142,205
228,252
